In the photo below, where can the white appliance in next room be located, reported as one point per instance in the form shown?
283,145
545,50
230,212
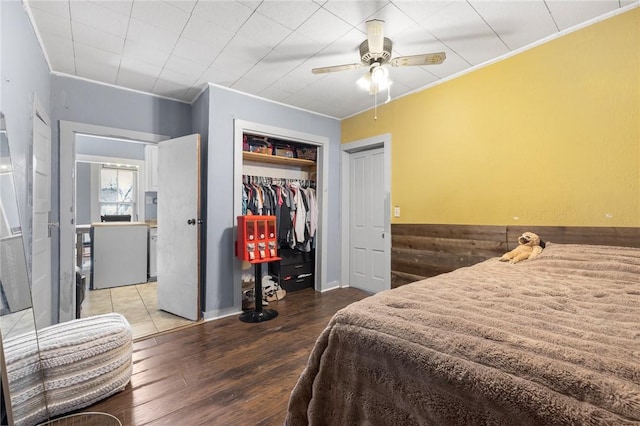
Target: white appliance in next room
118,254
153,241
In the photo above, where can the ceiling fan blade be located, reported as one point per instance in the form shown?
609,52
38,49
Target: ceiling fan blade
426,59
346,67
375,35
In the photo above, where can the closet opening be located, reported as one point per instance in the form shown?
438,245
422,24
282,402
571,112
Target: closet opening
280,172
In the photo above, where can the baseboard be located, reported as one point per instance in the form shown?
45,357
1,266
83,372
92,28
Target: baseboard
332,286
220,313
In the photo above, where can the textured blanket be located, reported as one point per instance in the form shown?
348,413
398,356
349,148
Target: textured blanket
552,341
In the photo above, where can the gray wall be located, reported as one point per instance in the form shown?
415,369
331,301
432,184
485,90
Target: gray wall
226,106
83,193
103,105
24,73
3,37
90,145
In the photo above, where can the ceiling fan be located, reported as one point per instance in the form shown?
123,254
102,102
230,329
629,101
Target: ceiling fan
375,52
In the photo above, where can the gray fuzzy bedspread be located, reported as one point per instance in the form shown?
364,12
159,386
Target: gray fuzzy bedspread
552,341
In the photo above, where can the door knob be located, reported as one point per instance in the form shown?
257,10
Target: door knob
191,222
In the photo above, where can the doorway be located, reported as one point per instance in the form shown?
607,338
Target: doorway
366,203
137,302
321,143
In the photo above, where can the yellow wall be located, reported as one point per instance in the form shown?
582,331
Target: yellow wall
547,137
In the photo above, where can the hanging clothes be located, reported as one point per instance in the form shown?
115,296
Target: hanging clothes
245,200
286,215
301,213
312,216
293,204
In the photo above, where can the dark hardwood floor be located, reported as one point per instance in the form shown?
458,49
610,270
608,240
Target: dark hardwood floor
226,372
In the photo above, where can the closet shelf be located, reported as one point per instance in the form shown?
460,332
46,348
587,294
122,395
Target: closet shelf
274,159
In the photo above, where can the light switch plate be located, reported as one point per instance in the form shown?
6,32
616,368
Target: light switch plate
396,212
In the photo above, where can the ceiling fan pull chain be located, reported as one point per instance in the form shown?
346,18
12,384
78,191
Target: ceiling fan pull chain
375,105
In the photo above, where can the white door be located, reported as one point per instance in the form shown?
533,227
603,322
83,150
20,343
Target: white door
369,268
41,290
179,215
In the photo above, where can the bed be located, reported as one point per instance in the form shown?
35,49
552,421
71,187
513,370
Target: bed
551,341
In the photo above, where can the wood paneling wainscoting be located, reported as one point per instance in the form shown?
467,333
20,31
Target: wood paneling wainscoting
419,251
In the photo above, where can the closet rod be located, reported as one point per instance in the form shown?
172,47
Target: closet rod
251,179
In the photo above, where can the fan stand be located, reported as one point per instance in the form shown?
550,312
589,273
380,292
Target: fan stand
259,314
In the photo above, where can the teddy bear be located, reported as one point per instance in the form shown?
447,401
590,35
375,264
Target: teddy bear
529,247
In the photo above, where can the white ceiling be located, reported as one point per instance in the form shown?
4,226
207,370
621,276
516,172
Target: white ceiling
268,48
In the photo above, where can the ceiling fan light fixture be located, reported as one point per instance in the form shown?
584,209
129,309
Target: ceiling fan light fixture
368,83
379,74
385,84
365,82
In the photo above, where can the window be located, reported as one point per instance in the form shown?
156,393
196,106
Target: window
118,190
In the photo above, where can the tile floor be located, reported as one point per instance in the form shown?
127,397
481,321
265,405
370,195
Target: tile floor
139,305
